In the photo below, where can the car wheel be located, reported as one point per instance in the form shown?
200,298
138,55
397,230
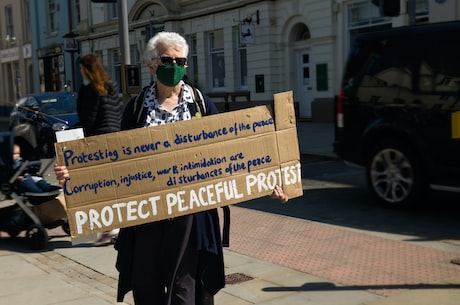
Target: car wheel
394,175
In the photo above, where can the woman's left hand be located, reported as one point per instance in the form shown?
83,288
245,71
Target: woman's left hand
278,193
62,173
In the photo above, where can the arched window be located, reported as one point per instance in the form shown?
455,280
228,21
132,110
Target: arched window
300,32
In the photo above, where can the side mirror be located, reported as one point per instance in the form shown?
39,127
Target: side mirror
60,126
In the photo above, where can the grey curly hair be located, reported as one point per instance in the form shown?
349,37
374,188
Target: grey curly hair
164,39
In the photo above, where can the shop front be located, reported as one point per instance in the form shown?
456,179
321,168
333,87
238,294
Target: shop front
51,68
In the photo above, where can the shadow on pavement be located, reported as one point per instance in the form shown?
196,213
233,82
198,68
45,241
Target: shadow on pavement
337,195
327,286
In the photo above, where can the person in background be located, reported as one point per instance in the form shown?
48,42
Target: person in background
99,108
27,181
178,261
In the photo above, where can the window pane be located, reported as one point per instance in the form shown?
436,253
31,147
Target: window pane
113,10
218,70
421,6
306,58
115,64
192,44
26,24
243,68
76,18
9,21
241,59
217,40
217,55
306,72
192,70
51,16
440,72
135,56
363,13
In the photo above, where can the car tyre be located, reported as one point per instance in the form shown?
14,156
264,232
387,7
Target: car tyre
394,175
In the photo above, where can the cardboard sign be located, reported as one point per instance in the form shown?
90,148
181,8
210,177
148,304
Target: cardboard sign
455,125
148,174
51,211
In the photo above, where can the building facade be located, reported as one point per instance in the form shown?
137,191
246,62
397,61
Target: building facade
53,44
15,50
263,47
255,46
33,54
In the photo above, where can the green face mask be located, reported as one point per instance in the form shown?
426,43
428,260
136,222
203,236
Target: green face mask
170,75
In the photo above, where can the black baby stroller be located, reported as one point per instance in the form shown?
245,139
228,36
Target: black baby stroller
18,208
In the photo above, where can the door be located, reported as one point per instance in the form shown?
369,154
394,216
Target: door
305,89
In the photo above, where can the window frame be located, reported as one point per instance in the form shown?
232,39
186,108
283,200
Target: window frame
27,36
241,60
216,57
51,20
9,25
192,65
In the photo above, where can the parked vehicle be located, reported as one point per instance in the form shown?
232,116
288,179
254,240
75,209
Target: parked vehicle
36,117
398,111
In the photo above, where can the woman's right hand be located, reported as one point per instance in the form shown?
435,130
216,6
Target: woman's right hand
62,173
278,193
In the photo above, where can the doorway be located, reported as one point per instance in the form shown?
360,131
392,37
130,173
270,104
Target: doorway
304,83
54,73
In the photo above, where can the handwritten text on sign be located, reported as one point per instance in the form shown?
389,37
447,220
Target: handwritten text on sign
149,174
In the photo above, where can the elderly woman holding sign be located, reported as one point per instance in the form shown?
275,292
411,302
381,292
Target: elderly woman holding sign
178,261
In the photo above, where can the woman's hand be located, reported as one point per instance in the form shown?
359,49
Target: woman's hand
62,173
278,193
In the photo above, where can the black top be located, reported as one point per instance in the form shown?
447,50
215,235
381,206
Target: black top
99,114
205,231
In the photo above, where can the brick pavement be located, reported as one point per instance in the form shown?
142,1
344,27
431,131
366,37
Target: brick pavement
341,255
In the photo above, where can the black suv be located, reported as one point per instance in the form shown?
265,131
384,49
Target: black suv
398,111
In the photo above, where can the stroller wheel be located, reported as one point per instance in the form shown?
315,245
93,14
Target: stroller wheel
37,238
66,227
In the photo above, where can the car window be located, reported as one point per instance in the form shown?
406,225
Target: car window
27,102
68,104
59,105
440,71
392,64
50,106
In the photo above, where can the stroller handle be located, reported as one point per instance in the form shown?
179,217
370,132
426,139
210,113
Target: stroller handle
19,171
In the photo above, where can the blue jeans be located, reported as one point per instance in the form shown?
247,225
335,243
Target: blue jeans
33,185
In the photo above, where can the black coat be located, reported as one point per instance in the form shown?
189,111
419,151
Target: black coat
99,114
205,231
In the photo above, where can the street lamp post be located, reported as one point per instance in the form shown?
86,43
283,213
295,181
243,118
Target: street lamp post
124,36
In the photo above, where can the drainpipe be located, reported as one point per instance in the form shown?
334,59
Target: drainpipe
72,59
124,42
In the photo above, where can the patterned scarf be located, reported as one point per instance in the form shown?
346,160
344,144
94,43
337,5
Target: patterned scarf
158,115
